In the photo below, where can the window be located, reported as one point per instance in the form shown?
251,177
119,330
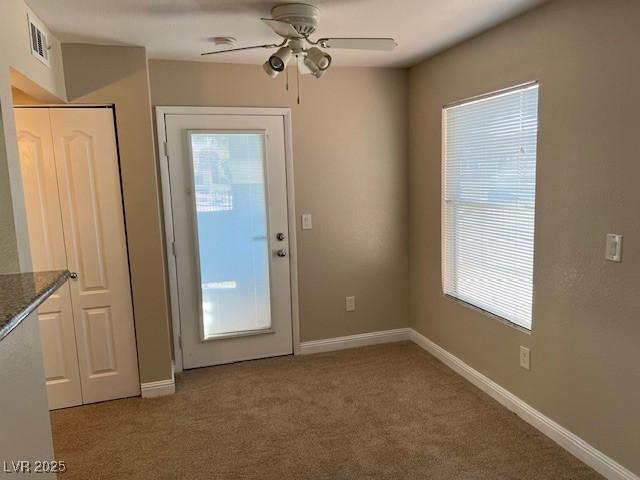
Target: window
488,195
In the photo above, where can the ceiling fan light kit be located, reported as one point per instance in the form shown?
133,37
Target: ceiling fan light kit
278,61
317,61
295,23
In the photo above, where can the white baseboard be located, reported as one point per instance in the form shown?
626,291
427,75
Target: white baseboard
352,341
563,437
158,389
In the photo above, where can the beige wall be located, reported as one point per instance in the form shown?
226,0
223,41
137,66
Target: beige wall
20,97
350,168
586,325
18,65
8,245
118,75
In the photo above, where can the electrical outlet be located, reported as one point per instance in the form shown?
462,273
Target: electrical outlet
525,358
351,304
614,248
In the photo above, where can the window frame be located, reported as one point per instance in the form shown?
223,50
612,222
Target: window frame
443,216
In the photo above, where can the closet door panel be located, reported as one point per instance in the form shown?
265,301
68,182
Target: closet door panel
85,209
91,200
59,350
46,240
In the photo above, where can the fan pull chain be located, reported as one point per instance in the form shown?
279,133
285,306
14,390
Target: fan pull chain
287,77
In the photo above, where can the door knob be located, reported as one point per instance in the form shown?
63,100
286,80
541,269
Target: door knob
73,275
280,236
281,253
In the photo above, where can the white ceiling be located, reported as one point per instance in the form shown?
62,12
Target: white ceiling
179,29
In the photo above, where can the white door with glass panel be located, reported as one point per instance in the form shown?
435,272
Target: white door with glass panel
229,204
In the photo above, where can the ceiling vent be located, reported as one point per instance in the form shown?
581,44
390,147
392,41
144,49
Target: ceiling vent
39,42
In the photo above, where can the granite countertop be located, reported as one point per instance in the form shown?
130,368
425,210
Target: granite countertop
22,293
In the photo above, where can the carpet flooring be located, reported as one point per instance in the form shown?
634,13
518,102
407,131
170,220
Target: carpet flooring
382,412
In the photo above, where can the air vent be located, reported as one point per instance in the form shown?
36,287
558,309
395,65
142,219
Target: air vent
39,42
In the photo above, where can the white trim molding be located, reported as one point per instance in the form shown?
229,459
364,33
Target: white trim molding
597,460
158,389
352,341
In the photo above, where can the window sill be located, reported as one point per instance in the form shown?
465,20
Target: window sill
504,321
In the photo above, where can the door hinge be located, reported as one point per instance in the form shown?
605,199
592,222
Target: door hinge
165,148
173,248
180,341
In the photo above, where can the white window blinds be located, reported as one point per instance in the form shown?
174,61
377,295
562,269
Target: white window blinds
489,180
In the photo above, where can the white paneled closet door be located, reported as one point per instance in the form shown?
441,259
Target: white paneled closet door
91,203
46,238
84,169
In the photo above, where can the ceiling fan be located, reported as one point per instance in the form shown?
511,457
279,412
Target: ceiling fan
295,23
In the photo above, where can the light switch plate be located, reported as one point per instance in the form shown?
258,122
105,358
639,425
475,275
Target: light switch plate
525,358
307,222
613,252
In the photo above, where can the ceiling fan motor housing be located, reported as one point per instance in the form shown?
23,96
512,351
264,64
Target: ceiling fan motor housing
304,18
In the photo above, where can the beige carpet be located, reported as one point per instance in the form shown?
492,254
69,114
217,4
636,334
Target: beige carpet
382,412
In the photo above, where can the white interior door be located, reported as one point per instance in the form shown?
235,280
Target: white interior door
46,239
229,205
91,205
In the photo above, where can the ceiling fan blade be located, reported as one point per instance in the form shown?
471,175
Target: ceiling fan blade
283,29
359,43
274,45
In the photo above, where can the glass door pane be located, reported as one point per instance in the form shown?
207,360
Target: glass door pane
231,232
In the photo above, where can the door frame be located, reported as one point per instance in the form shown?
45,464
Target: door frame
161,132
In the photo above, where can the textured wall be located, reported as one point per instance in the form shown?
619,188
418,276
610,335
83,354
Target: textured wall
118,75
584,343
15,54
350,167
20,97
